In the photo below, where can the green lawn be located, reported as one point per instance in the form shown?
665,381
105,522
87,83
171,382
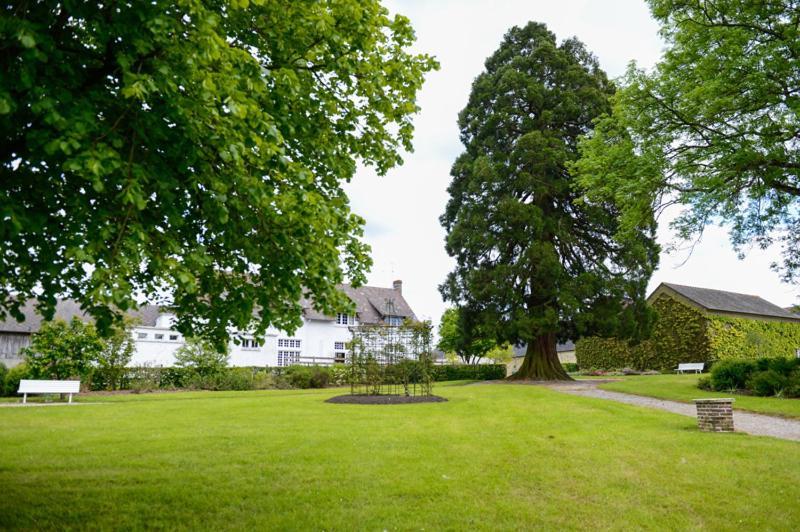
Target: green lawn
684,388
493,457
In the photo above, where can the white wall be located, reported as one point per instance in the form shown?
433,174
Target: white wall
317,338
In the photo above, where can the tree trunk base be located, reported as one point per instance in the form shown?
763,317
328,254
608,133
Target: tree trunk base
541,362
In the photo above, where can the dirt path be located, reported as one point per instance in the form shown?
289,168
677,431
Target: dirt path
757,424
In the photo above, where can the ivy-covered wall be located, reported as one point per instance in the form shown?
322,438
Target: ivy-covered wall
683,333
743,338
679,334
612,353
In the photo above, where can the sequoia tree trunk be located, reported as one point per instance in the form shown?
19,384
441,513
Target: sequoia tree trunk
541,361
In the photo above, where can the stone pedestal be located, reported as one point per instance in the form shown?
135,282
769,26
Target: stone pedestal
715,415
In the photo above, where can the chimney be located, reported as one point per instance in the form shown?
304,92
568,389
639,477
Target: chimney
398,285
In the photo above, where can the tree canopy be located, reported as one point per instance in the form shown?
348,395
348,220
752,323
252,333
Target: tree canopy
193,153
714,127
459,334
537,259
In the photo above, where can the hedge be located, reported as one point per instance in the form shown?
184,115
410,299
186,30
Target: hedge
477,372
612,353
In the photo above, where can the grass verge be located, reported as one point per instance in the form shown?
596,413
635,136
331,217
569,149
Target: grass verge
684,388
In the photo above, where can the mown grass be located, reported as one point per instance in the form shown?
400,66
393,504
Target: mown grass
684,388
493,457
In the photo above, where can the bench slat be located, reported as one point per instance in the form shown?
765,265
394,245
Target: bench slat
41,386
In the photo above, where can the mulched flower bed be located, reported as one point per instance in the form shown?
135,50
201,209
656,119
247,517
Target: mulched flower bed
365,399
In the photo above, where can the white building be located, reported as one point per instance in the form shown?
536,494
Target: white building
320,340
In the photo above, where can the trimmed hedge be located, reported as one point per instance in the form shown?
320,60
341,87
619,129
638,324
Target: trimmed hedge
476,372
685,334
612,353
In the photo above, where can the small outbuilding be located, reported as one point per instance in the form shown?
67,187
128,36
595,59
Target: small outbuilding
696,324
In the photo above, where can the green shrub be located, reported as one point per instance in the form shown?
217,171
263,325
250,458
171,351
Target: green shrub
764,377
198,357
307,376
732,374
704,383
477,372
767,383
793,385
570,367
14,375
3,373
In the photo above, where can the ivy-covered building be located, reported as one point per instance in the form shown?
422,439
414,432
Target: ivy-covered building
699,325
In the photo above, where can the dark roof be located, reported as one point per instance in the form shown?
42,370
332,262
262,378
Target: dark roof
373,303
66,309
722,301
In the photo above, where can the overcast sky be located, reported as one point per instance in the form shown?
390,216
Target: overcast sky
402,209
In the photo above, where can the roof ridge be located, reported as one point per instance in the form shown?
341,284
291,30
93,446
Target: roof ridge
715,290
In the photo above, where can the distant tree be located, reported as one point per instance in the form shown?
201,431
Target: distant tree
197,150
536,258
458,334
61,350
500,354
117,352
201,358
715,127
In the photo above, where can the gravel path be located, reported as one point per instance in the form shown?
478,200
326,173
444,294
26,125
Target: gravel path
757,424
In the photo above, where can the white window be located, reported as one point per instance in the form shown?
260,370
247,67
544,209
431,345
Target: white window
345,319
287,358
159,337
339,352
141,336
173,337
292,343
394,320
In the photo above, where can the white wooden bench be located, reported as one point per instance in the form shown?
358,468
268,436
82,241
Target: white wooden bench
696,367
34,386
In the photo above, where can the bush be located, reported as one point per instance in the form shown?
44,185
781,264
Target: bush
765,377
3,373
704,383
570,367
10,384
767,383
732,374
793,385
478,372
199,358
305,377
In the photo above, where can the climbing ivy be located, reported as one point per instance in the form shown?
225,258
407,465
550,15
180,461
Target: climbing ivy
612,353
683,333
751,339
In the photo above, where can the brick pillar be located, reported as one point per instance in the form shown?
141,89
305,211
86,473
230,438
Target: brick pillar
715,415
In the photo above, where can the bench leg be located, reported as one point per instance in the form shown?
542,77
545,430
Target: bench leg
24,398
70,398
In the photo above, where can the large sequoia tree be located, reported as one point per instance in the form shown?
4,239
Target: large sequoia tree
538,258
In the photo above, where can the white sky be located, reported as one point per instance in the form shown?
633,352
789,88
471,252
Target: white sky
402,209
